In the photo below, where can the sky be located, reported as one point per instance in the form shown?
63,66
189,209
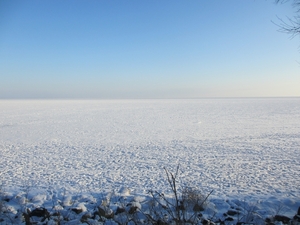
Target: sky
115,49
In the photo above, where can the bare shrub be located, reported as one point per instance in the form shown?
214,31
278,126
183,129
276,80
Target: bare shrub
182,207
193,199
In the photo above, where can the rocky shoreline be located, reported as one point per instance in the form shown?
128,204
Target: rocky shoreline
124,207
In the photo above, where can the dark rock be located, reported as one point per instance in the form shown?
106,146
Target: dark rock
180,207
77,210
229,219
298,213
220,222
200,215
268,220
107,213
120,210
232,213
27,219
101,212
159,222
207,222
297,218
198,208
40,212
56,214
85,217
283,219
243,223
132,209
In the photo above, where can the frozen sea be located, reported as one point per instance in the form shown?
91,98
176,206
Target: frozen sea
237,147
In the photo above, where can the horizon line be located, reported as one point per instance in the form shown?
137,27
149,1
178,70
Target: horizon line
97,99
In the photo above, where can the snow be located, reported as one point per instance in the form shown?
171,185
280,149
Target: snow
242,149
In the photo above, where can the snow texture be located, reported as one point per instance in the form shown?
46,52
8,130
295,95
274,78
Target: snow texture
240,148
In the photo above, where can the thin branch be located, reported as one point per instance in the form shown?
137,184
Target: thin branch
292,26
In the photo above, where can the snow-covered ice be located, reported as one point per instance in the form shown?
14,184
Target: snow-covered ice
240,148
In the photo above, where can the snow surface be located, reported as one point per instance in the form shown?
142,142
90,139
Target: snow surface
240,148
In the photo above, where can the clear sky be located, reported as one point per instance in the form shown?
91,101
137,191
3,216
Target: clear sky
146,49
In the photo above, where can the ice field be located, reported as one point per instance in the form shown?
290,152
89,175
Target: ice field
240,148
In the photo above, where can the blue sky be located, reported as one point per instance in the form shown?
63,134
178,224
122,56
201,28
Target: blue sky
146,49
